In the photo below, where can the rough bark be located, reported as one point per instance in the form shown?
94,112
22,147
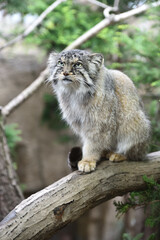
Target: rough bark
50,209
10,193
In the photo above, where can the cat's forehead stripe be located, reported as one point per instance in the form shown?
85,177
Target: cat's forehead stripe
72,58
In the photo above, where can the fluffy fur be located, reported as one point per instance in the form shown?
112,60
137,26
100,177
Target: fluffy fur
101,106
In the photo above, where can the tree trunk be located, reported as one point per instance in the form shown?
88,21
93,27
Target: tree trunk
50,209
10,193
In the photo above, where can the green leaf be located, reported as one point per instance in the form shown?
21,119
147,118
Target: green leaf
126,236
152,236
139,236
156,83
13,135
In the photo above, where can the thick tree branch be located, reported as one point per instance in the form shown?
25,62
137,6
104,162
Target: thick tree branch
33,25
43,213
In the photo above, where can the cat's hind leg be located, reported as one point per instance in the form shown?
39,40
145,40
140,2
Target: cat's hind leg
116,157
113,157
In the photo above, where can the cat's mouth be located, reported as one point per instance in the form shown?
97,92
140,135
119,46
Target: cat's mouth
67,80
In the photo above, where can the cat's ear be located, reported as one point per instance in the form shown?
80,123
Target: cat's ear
97,59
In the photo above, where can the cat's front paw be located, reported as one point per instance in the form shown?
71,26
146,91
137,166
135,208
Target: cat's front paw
86,165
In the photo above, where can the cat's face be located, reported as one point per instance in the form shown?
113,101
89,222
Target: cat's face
75,69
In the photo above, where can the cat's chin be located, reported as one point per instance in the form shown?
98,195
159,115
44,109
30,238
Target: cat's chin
67,81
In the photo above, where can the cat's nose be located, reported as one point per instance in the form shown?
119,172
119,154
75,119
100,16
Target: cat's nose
65,73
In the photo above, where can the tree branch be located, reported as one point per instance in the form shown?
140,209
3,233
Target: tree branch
116,4
33,25
26,93
99,4
47,211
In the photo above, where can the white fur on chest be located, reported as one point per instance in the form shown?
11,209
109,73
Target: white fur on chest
73,110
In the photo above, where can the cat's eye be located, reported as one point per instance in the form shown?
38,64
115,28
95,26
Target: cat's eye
78,64
60,63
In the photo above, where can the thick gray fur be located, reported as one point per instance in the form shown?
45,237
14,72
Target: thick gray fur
101,106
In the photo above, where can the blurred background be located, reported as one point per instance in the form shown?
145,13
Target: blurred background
38,139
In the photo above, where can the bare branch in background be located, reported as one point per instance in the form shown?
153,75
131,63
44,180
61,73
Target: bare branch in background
99,4
45,212
103,5
34,24
116,4
106,7
24,94
108,21
79,41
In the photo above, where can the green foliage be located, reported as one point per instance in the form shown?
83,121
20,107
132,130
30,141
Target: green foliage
149,197
154,115
65,138
141,60
64,25
152,236
136,51
14,6
13,136
127,236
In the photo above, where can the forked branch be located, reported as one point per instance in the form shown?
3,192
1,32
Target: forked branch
112,19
